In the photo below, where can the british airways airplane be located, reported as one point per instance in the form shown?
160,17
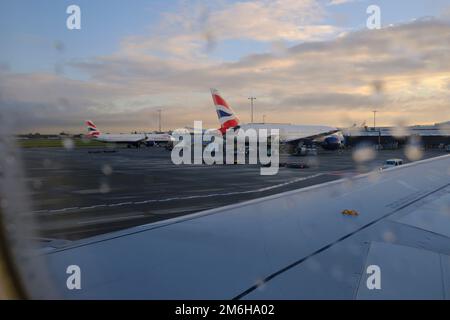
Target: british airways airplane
329,138
132,139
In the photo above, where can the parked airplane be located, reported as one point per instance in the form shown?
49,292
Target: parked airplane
294,135
158,139
133,139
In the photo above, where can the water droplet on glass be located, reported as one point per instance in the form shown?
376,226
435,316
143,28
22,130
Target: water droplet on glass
10,160
37,184
107,170
260,284
444,128
374,176
389,236
400,130
47,163
445,210
4,203
104,188
337,273
413,153
313,265
414,149
364,153
68,143
85,139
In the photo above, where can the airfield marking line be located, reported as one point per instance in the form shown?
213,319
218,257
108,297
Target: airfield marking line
59,210
110,219
280,185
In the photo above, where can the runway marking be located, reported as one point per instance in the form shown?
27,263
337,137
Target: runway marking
280,185
59,210
110,219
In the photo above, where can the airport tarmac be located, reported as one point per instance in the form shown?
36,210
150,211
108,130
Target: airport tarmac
85,192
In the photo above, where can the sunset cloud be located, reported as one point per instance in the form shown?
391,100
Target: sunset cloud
330,81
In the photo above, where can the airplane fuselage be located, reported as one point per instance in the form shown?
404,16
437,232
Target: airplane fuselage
290,132
135,139
121,138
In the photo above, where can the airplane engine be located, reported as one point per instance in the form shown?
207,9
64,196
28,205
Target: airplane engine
332,142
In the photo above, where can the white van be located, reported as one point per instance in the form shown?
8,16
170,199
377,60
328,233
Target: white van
392,163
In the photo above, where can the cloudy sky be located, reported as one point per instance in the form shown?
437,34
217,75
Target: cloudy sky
307,62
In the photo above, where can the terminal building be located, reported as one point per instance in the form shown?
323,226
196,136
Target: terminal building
430,136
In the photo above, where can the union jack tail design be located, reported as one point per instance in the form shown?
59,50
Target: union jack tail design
227,117
92,129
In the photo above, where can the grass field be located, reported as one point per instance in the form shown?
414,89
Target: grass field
48,143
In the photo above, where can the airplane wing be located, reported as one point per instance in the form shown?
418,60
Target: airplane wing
159,137
310,137
296,245
135,138
138,139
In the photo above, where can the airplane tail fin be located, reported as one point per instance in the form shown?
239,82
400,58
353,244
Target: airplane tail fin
92,129
227,117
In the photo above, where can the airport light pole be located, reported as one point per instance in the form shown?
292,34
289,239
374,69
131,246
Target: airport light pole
375,125
159,119
252,99
374,118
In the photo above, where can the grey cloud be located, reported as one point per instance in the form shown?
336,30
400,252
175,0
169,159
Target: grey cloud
315,76
327,100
